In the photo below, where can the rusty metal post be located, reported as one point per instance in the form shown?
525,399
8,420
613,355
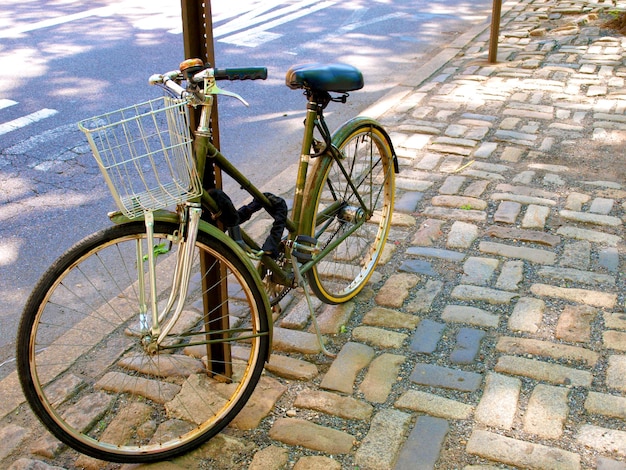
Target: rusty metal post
495,31
198,43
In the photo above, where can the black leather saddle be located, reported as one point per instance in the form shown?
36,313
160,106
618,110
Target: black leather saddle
338,78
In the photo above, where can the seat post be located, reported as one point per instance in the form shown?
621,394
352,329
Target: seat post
313,110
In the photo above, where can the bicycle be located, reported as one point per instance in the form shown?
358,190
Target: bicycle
146,339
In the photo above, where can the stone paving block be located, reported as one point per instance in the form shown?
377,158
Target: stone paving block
425,296
535,347
498,405
601,205
444,377
511,274
155,390
533,255
589,218
519,453
616,373
448,255
31,464
615,320
485,294
614,340
380,447
522,199
426,336
342,373
524,235
417,266
609,464
334,404
11,436
422,447
485,150
575,201
527,315
576,255
428,232
270,458
582,296
381,376
408,202
316,462
543,371
291,368
467,346
459,202
299,432
476,188
608,258
593,236
261,402
298,315
470,315
396,289
604,404
388,318
461,235
287,340
610,441
574,323
575,275
535,217
378,337
465,215
479,271
434,405
333,317
547,411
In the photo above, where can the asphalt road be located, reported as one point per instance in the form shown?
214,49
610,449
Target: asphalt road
63,62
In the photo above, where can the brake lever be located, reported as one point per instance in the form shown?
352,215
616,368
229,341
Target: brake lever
213,89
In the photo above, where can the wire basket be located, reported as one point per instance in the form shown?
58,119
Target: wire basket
144,152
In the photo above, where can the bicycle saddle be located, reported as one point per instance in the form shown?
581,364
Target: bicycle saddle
337,78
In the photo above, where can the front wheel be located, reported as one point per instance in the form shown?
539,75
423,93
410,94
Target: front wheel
91,370
351,198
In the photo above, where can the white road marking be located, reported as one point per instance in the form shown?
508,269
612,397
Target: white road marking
19,30
26,120
256,16
4,103
351,24
255,36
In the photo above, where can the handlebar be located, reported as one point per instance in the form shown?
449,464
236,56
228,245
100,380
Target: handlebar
243,73
196,72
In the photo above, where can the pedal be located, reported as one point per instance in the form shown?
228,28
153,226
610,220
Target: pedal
305,248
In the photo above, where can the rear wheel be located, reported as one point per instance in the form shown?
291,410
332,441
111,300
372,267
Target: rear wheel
352,199
92,372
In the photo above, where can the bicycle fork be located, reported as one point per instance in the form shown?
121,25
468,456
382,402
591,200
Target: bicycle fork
181,277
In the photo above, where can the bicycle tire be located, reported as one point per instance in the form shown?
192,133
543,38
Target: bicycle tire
360,193
90,381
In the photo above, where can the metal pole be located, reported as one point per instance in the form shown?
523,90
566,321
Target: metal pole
198,43
495,31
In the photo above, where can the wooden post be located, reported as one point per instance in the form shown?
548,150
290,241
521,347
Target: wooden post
198,43
495,31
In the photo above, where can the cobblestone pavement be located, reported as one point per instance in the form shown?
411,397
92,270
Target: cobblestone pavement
495,334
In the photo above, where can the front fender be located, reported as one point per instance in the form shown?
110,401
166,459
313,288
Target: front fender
211,230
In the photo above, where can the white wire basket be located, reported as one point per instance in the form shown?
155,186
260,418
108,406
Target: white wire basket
144,152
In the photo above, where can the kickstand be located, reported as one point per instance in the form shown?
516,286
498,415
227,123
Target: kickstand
305,287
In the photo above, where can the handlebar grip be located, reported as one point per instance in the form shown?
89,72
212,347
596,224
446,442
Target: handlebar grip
241,73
